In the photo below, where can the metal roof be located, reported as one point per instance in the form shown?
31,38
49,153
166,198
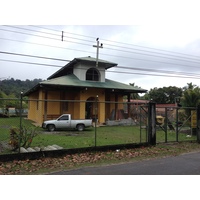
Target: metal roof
72,81
66,69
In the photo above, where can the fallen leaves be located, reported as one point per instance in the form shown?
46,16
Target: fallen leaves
45,165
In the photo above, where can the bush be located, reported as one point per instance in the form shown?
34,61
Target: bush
21,138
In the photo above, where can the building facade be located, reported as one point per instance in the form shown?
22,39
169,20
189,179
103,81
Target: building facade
80,89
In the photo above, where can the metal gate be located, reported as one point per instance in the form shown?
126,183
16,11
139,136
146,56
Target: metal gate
168,124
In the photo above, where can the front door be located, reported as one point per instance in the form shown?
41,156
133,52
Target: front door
91,108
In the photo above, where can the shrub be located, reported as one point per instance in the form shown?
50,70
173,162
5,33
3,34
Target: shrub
22,138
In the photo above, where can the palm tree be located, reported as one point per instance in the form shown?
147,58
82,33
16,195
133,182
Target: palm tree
134,95
191,96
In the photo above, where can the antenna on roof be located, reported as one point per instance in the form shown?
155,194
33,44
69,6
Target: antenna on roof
97,46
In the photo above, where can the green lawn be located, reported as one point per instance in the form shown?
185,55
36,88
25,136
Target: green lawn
74,139
86,138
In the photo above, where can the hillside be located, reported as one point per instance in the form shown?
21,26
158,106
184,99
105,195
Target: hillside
13,88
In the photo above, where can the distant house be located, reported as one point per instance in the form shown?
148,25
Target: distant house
160,108
75,88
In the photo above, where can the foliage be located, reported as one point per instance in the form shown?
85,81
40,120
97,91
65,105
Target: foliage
134,95
21,138
11,90
14,87
164,95
191,96
2,95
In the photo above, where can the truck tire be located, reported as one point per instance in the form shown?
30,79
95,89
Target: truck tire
51,127
80,127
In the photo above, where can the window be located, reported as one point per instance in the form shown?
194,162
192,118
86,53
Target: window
64,118
92,75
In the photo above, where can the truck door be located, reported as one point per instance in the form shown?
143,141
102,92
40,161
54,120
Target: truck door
63,122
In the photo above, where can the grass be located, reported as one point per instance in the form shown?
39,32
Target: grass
74,139
104,136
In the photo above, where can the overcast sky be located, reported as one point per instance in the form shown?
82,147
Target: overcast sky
154,44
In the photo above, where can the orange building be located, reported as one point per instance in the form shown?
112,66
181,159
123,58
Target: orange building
80,89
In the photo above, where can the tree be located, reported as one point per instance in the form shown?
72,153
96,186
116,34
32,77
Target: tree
164,95
134,95
2,96
191,96
12,86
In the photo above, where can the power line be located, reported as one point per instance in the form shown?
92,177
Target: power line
26,29
58,35
44,37
163,75
28,34
32,63
155,49
27,55
57,59
133,58
64,32
155,54
156,70
45,45
189,75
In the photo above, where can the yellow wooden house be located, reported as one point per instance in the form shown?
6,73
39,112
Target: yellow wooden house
80,89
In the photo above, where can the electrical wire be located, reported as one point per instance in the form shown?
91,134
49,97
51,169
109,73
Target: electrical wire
133,58
13,40
32,63
165,72
156,70
155,54
33,56
155,49
58,35
189,75
122,67
183,59
44,37
163,75
64,32
58,59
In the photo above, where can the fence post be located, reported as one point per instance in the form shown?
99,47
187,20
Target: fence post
95,128
20,123
198,123
176,124
166,123
152,123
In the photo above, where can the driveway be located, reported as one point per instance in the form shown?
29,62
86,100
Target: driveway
185,164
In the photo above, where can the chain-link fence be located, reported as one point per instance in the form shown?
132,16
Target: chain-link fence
113,123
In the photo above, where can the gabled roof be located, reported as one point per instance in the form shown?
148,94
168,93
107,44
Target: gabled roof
72,81
68,67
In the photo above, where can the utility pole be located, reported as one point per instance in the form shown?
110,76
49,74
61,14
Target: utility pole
98,46
62,36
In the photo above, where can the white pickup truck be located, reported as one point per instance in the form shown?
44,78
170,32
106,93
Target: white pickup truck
65,122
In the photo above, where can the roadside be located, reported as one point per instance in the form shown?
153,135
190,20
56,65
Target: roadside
74,161
184,164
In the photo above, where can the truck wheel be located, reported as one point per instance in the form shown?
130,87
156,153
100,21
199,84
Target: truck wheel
80,127
51,127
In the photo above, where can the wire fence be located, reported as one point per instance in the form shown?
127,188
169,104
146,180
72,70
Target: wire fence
112,123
